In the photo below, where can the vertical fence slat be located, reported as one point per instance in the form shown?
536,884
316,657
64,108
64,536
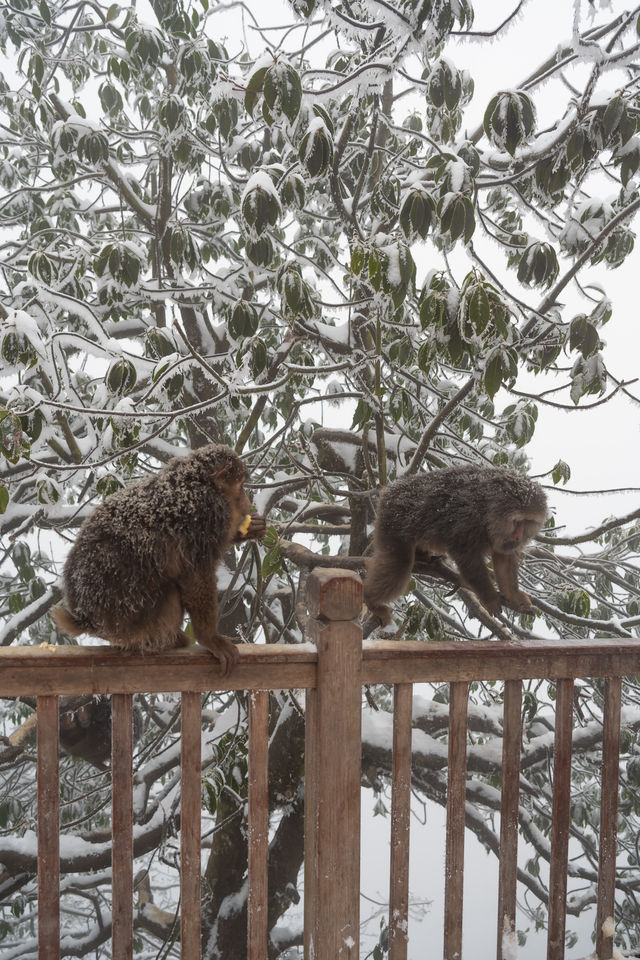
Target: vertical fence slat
258,823
122,824
400,821
456,799
608,815
508,865
190,831
48,830
311,779
561,816
334,600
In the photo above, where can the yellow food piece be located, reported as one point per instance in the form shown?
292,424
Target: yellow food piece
244,526
48,646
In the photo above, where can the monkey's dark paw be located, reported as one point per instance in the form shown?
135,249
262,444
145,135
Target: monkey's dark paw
492,605
183,640
382,631
521,603
256,531
257,528
224,651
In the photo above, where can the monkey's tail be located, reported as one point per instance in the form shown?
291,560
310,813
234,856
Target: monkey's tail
66,622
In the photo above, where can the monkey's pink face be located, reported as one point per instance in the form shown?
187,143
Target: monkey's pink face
517,531
244,504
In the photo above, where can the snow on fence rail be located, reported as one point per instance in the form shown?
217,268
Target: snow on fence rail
332,670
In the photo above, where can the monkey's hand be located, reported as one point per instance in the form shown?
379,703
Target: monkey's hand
255,531
223,649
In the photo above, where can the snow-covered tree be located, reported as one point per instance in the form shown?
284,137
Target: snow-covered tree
309,241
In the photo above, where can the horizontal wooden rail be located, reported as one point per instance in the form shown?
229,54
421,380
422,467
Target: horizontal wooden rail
34,671
402,661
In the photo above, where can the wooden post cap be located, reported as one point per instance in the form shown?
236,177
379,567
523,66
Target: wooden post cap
334,594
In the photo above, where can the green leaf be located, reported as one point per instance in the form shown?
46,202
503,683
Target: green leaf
260,252
292,191
479,308
493,375
488,116
260,208
416,214
583,336
121,376
561,471
283,91
37,67
425,356
45,12
4,498
254,89
325,116
131,269
612,116
271,538
316,151
259,356
171,112
271,562
114,261
362,415
577,389
243,321
509,120
513,131
456,226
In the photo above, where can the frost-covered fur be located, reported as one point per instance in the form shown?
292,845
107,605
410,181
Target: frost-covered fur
149,552
466,513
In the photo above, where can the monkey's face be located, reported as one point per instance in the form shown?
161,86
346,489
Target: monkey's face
239,504
514,531
244,504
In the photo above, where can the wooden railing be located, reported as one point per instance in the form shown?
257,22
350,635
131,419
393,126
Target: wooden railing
333,673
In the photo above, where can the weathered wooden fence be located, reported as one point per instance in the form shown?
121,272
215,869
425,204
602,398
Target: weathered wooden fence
332,675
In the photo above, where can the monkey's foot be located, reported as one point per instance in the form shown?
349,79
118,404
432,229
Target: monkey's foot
375,619
492,604
520,602
383,631
388,633
380,612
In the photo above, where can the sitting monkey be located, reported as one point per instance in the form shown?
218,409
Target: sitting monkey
85,728
149,553
465,513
